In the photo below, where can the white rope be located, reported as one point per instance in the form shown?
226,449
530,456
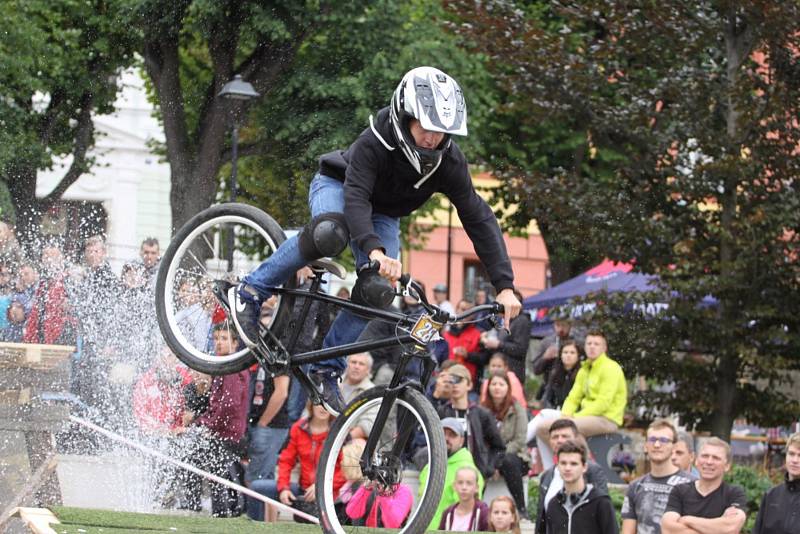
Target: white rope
193,469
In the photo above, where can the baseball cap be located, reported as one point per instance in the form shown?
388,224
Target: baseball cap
454,424
459,370
440,288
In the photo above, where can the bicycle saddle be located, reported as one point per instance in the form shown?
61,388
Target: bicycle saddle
327,264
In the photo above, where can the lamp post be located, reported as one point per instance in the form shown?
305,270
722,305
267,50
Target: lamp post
238,92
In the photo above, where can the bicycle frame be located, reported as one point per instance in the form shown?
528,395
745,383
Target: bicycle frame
397,384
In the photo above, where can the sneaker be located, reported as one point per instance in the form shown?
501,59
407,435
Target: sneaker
327,384
245,311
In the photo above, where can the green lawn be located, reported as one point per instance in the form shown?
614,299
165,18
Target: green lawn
85,521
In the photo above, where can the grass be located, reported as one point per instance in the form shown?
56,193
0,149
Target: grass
88,521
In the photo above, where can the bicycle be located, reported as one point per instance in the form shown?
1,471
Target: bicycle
202,253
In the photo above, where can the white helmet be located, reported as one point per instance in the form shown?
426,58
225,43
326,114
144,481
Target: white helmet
436,101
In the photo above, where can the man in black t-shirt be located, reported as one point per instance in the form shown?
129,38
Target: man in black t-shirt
708,505
268,423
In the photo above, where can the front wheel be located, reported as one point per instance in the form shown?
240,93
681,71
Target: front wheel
220,244
410,410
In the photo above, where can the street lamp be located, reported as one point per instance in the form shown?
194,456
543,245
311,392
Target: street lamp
237,91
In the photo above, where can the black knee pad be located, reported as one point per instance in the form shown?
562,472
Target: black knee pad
373,290
325,236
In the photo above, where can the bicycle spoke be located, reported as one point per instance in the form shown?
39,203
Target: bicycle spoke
210,246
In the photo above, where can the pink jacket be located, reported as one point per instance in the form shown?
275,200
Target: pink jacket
394,509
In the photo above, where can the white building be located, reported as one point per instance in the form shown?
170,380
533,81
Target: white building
128,180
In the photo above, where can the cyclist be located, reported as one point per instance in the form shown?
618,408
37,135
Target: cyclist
358,196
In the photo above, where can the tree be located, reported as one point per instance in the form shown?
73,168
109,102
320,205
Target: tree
60,61
321,69
693,106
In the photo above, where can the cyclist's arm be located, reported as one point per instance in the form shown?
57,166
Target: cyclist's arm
360,177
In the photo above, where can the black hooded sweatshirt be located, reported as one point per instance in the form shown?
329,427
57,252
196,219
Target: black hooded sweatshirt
378,178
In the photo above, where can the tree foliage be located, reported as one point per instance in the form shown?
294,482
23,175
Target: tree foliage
681,119
59,65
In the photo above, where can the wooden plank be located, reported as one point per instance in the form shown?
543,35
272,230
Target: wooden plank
37,519
45,468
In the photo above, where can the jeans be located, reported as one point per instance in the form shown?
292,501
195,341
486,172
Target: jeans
268,488
325,195
263,450
296,402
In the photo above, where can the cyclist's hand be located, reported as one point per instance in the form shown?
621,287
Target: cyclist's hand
390,269
511,305
286,497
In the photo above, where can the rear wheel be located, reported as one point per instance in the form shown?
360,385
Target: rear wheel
411,409
219,245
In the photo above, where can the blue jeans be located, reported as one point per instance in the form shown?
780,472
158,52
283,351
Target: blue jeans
325,195
263,450
268,488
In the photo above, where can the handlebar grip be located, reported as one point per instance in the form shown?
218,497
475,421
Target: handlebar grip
405,279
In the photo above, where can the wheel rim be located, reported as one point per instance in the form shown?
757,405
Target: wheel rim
336,449
180,322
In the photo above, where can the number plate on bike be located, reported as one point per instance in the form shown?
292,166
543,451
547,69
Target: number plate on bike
425,329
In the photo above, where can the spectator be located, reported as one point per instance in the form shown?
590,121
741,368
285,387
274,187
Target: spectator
196,321
27,280
646,498
778,513
513,343
312,333
343,293
158,402
442,388
512,421
351,471
214,439
469,514
550,348
135,329
6,292
578,507
95,302
483,438
15,317
51,320
503,516
482,319
388,510
356,381
562,375
9,247
150,255
463,339
550,481
440,299
498,363
708,505
458,456
268,423
683,454
596,401
306,439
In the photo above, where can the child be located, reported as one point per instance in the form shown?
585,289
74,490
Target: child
469,514
503,515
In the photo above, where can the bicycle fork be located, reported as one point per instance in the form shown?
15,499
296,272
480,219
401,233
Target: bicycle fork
388,472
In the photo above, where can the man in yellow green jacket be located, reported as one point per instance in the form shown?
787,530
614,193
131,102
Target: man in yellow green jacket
458,456
597,400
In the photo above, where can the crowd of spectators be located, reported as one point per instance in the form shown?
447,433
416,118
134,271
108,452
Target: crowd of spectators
256,428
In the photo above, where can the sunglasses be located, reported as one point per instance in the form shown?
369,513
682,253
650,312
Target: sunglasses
662,440
455,379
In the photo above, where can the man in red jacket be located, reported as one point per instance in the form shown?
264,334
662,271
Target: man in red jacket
464,342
